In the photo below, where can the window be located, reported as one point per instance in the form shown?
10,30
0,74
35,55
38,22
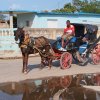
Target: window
52,23
28,23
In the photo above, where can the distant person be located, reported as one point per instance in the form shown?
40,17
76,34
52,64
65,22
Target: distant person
69,32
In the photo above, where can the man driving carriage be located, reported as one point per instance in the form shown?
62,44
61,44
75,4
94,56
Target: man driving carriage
69,32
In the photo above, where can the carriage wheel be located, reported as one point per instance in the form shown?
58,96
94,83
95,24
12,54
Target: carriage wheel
96,54
65,81
66,60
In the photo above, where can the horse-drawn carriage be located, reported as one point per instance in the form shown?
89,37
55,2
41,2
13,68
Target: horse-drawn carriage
86,50
42,45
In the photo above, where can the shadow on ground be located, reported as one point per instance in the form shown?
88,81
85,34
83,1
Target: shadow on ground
54,64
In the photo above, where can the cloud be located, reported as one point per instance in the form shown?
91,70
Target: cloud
15,7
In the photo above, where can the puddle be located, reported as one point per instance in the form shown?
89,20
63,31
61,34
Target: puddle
57,88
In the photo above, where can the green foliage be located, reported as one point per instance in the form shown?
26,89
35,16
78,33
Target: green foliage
92,7
81,5
67,8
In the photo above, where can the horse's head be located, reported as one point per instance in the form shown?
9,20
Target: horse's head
19,34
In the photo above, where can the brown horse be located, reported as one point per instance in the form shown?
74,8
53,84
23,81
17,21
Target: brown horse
30,45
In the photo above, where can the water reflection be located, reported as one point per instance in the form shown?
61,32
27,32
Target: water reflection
58,88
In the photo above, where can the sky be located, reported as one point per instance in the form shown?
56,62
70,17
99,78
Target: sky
37,5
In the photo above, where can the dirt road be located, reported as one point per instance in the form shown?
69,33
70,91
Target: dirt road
10,70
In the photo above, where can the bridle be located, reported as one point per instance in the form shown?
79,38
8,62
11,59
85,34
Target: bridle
20,34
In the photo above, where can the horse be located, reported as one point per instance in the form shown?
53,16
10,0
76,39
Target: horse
31,45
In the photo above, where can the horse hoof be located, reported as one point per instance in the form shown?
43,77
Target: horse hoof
41,66
26,71
49,68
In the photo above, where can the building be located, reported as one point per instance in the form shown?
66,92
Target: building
48,24
4,24
55,20
33,19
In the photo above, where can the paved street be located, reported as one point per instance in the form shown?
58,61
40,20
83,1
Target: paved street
10,70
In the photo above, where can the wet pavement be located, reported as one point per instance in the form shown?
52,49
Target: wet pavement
53,88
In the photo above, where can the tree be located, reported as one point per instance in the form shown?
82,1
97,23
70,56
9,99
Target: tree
67,8
81,6
92,7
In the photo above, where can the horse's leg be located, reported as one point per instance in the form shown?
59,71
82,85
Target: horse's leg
42,62
47,50
25,63
23,56
50,63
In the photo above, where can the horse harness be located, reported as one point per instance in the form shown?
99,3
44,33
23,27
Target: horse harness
30,42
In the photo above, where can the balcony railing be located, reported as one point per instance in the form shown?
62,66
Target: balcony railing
7,41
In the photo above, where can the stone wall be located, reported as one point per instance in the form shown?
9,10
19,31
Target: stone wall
47,32
8,47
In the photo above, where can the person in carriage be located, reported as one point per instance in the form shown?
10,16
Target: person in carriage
69,32
91,33
89,37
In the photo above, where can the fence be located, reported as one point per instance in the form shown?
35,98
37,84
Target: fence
7,42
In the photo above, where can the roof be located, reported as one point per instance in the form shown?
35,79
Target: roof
16,11
46,13
63,13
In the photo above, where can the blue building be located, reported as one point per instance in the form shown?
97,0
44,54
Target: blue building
55,20
51,23
35,19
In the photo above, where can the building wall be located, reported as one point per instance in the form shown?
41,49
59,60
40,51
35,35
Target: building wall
23,18
4,24
41,20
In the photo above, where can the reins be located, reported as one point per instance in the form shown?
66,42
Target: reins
40,52
34,47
